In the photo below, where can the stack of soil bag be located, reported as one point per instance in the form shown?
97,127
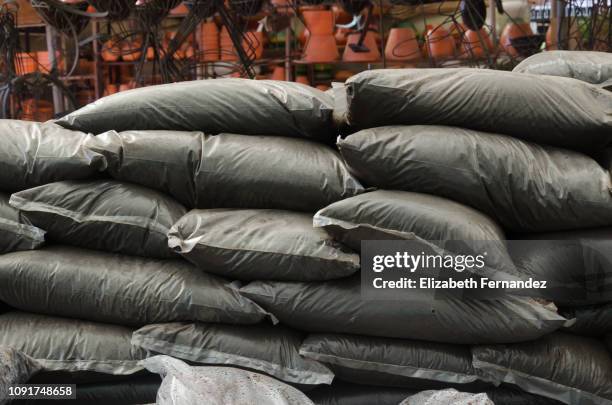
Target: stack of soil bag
210,232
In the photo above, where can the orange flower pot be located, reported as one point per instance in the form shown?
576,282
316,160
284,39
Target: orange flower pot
253,44
131,51
302,79
439,43
511,31
111,51
402,45
320,44
476,44
26,63
278,73
370,42
209,42
228,52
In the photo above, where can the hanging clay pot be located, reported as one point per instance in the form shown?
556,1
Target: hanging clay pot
131,51
513,30
320,44
439,43
228,52
370,42
209,42
302,79
476,45
278,73
402,45
111,51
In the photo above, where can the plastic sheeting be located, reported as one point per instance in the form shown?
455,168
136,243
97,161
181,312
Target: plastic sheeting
543,109
16,232
336,306
71,345
548,189
269,349
588,66
33,153
593,320
571,369
118,289
15,368
253,107
447,397
162,160
260,245
238,171
102,214
609,343
391,362
184,385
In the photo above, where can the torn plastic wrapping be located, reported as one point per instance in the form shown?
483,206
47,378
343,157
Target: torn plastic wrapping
16,232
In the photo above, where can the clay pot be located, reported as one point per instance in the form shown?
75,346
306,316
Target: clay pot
111,51
26,63
341,35
131,51
228,52
181,9
278,73
253,44
320,45
302,79
323,87
44,62
370,42
511,31
209,42
110,89
402,45
472,44
150,53
439,43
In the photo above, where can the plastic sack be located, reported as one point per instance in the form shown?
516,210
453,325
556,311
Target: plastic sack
184,385
548,189
15,368
337,306
260,245
253,107
63,344
568,368
161,160
238,171
549,110
118,289
131,219
133,391
592,320
447,397
16,232
588,66
391,362
609,342
273,350
34,153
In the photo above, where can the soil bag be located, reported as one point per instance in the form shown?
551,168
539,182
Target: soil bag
571,369
549,110
273,350
162,160
260,245
118,289
342,393
15,368
34,153
62,344
576,264
238,171
548,189
102,214
588,66
337,306
391,362
609,342
16,232
133,391
447,397
252,107
593,320
184,385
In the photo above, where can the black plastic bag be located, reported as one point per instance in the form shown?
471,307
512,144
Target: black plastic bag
16,232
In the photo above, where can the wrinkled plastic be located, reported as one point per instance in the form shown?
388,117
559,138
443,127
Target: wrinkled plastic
16,232
253,107
63,344
548,189
269,349
118,289
568,368
608,340
238,171
260,245
549,110
15,368
592,320
588,66
337,306
133,391
184,385
102,214
162,160
34,153
447,397
391,362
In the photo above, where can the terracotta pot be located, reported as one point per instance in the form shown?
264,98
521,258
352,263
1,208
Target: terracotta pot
150,53
472,44
130,51
511,31
457,30
402,45
302,79
278,73
209,42
228,52
323,87
370,42
26,63
110,89
439,43
321,45
44,62
111,51
253,45
341,34
181,9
